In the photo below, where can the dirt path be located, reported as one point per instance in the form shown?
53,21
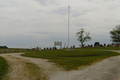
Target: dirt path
107,69
20,71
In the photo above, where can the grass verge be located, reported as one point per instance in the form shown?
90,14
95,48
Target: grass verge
36,72
72,60
3,67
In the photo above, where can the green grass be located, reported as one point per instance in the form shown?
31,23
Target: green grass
3,67
72,60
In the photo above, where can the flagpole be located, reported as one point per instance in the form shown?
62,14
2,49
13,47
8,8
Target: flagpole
68,22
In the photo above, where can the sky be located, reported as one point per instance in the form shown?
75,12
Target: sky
32,23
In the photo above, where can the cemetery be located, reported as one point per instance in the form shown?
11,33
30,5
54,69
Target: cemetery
96,44
67,58
74,57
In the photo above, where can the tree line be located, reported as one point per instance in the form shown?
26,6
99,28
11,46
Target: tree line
3,47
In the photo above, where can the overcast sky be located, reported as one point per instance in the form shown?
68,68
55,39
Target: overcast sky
31,23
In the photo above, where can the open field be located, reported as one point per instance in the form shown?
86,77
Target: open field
76,59
3,67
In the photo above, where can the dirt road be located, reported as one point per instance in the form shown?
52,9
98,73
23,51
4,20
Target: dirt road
107,69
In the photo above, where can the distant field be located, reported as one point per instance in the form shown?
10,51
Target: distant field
2,49
78,58
11,50
3,67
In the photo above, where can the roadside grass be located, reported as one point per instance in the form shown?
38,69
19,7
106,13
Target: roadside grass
36,72
73,60
3,67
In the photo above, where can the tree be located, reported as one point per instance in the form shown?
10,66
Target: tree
115,34
83,36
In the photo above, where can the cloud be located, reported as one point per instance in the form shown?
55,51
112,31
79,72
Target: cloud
40,32
114,7
89,0
109,0
100,1
79,12
82,24
61,11
8,3
4,18
76,12
42,2
46,2
40,10
53,2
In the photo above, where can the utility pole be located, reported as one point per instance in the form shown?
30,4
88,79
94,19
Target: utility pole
68,23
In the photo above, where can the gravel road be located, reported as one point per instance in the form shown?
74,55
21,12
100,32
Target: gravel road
107,69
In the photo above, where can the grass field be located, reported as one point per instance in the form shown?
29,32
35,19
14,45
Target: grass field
72,60
3,67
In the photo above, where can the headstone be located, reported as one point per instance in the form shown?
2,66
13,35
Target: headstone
50,48
44,48
91,45
39,49
88,45
104,45
73,46
71,49
17,49
7,50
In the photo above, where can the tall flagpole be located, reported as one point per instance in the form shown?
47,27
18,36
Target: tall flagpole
68,23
